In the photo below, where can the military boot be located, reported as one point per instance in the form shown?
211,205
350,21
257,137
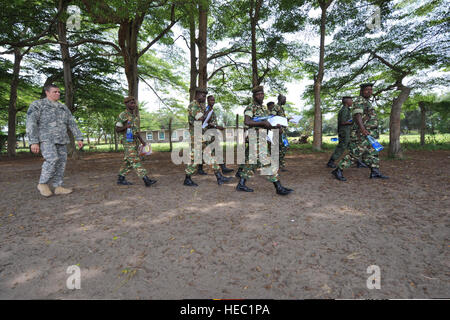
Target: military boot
360,164
242,187
44,190
122,181
331,164
188,182
375,173
338,174
238,173
220,178
280,189
225,169
200,170
148,182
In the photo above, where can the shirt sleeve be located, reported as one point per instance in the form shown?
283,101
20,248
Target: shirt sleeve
358,106
248,111
32,128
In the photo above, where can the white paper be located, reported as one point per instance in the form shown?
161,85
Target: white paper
295,119
278,120
205,123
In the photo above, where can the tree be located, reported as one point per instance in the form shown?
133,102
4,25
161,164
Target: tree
399,57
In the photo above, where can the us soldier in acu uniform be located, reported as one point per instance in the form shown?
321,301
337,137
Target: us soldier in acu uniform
196,112
127,119
278,110
365,123
47,123
257,109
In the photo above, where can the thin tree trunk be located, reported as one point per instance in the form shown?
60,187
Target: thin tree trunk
202,45
395,149
422,122
68,84
170,134
12,107
254,17
116,146
317,137
194,71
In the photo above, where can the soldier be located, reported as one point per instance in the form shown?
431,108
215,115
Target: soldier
197,112
344,125
47,123
212,123
128,119
257,109
365,123
278,110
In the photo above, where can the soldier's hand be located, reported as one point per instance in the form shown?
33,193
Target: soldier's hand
365,132
35,148
267,125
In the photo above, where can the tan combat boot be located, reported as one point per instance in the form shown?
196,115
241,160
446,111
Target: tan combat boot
44,190
62,190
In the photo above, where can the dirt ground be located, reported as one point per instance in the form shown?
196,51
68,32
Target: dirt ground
172,242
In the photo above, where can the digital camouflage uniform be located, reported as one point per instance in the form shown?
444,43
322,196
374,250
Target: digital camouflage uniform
196,110
131,158
248,169
359,146
344,115
278,110
211,124
47,123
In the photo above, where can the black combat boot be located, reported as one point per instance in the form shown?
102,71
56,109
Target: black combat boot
331,164
360,164
188,182
280,189
375,173
338,174
225,169
220,178
242,187
122,181
200,170
238,173
148,182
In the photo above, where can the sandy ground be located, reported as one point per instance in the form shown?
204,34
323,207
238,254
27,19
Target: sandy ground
171,242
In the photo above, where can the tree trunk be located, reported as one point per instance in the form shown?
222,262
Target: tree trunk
68,84
395,149
422,122
317,137
202,45
254,17
12,110
194,71
116,146
170,134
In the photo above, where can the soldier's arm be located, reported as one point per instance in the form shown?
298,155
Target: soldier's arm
122,124
344,118
358,120
32,128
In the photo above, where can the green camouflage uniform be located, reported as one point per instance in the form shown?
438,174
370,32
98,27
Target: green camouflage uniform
359,146
212,123
131,158
248,169
344,115
195,112
278,110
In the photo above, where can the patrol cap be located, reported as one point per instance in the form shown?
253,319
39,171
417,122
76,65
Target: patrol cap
201,90
258,89
364,85
128,99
